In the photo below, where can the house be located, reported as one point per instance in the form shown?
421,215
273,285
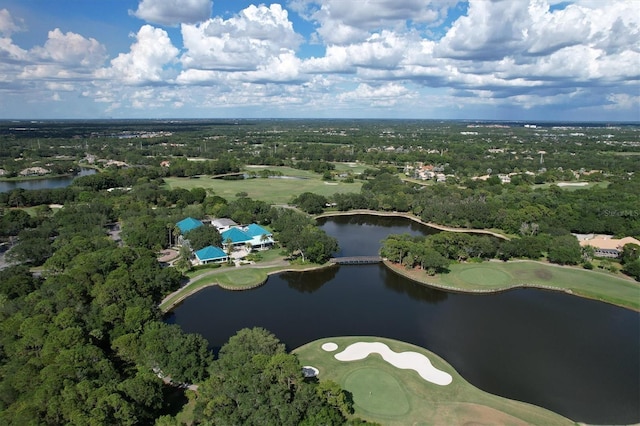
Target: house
210,254
223,224
236,236
188,224
606,246
260,237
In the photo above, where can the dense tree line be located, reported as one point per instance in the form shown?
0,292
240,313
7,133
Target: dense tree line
434,253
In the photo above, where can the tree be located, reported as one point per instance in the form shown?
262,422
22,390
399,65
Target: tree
565,250
256,382
203,236
310,202
630,253
632,269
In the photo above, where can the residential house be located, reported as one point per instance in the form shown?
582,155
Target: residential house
606,246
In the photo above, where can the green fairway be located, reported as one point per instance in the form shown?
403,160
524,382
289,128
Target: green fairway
292,183
393,396
377,392
498,276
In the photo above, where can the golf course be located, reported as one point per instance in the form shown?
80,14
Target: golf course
387,389
496,276
275,190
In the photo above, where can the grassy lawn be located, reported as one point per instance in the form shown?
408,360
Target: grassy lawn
393,396
355,168
495,276
232,278
571,185
272,191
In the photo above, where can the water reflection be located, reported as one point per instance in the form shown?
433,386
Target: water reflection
309,281
577,357
415,291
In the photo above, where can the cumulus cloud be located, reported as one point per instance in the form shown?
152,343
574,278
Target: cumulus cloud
146,61
257,36
71,49
173,12
7,24
342,22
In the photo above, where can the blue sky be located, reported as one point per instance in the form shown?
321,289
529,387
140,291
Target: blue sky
443,59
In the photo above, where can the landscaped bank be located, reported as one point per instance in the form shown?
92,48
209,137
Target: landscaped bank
496,276
390,395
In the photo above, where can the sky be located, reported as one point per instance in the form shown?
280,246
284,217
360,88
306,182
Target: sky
427,59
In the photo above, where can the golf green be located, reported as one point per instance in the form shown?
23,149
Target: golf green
483,275
377,392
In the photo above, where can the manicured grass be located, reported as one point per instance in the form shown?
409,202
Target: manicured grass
272,191
232,278
355,168
392,396
497,276
589,185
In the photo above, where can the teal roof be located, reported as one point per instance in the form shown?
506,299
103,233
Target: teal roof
254,230
236,236
188,224
211,253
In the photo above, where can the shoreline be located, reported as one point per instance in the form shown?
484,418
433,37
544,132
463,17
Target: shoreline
389,265
599,298
170,304
413,218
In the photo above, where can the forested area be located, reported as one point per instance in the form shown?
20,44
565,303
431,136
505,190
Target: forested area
82,339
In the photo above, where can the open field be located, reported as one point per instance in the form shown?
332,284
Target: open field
393,396
273,190
355,168
499,276
573,186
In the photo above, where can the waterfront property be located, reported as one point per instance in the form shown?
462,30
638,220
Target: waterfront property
606,245
210,254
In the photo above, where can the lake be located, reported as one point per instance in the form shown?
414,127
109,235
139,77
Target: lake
577,357
45,183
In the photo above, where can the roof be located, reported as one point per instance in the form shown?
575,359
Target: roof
188,224
254,230
605,243
236,236
223,223
211,253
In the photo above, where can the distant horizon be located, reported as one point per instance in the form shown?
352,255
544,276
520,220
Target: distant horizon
179,119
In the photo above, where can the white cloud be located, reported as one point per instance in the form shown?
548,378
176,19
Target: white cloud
344,22
71,49
146,61
241,43
7,25
385,95
173,12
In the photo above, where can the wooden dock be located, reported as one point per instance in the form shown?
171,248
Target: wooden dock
355,260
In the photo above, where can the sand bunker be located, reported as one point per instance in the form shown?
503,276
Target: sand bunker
309,371
329,347
404,360
572,183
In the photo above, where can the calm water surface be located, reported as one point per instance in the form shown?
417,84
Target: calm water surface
577,357
48,183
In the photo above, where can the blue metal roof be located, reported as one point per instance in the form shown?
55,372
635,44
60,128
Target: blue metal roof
188,224
254,230
236,236
211,253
